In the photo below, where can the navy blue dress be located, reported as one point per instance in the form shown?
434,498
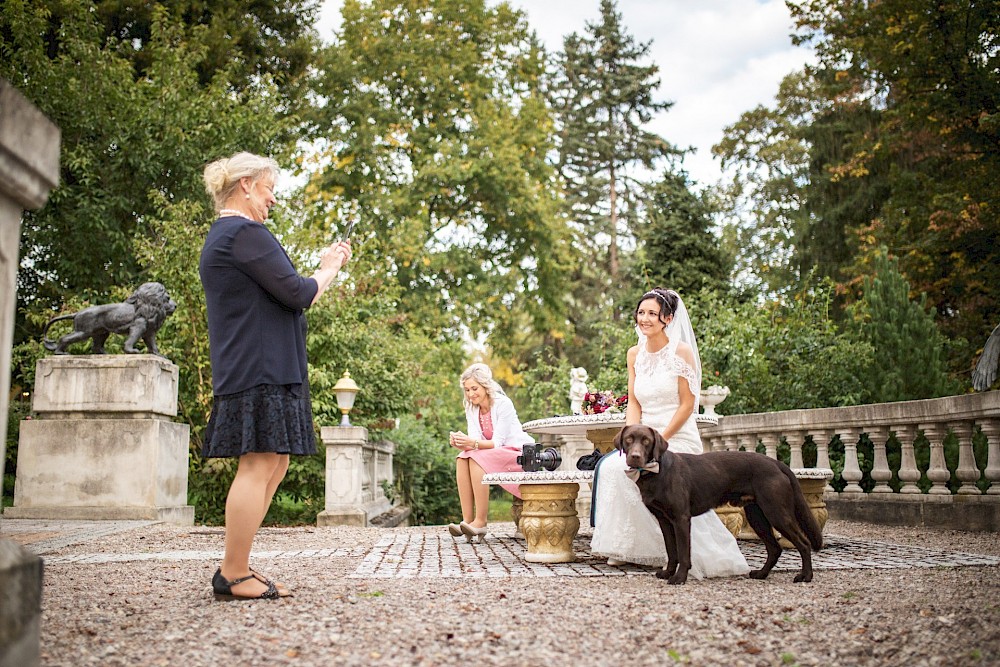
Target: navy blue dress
257,343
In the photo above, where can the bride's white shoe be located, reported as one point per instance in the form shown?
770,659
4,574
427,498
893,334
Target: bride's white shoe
614,562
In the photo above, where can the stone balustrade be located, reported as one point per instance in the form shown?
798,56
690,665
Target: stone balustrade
907,463
357,473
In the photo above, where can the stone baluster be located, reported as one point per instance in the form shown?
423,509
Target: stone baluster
881,473
770,441
748,441
796,439
991,429
732,443
938,470
909,474
967,472
822,439
852,471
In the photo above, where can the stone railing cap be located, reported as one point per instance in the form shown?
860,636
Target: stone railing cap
812,473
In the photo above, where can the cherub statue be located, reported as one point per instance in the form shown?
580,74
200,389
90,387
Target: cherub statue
986,369
577,389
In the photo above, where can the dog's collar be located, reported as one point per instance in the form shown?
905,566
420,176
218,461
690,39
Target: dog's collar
633,473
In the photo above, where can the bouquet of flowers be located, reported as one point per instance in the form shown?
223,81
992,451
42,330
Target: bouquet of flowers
594,403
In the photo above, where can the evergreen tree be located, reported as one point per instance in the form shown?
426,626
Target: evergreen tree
679,249
909,351
603,97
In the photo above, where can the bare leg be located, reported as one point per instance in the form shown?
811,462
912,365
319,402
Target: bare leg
245,509
272,484
465,497
481,494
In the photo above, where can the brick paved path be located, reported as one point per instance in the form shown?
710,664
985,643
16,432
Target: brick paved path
419,553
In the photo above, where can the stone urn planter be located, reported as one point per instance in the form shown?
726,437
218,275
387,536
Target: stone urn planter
710,397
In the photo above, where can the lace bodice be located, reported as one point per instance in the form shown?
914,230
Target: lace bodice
658,393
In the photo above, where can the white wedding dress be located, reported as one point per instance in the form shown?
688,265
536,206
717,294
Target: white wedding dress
623,528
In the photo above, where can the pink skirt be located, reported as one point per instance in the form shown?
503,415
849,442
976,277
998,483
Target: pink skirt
496,459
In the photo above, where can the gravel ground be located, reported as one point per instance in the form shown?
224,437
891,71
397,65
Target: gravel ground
162,613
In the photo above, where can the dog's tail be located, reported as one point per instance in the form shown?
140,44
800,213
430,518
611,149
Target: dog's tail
803,514
50,345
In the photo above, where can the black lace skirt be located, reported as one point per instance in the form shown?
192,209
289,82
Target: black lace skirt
268,418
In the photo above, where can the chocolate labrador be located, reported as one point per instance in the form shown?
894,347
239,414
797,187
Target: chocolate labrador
687,485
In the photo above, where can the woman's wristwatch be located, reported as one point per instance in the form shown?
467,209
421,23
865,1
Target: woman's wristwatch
475,444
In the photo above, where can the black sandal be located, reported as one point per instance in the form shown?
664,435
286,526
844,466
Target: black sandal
282,589
223,588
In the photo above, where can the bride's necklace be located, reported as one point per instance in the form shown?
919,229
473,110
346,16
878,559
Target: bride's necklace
223,212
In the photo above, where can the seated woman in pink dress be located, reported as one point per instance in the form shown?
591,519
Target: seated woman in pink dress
493,443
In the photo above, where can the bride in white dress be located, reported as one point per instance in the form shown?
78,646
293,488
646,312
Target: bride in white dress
664,381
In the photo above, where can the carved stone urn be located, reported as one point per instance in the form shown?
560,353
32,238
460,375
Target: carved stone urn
710,397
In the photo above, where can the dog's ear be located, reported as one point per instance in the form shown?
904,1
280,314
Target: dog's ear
620,439
660,445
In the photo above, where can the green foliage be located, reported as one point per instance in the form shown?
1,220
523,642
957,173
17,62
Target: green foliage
779,355
934,139
424,471
680,250
545,388
127,143
908,350
603,96
435,135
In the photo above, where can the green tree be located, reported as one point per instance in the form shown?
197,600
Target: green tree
909,351
125,139
785,353
603,97
435,135
679,249
928,72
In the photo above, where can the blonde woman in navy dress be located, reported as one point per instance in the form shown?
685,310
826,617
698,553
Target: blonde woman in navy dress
261,412
493,443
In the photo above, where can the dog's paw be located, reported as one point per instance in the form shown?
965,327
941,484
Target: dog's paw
662,574
758,574
803,578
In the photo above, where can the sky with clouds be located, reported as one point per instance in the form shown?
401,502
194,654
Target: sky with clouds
717,58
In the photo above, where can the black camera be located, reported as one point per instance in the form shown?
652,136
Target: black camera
533,458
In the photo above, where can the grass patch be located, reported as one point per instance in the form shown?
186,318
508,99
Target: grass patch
500,508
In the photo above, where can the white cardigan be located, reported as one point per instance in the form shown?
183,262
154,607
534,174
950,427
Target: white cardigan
507,430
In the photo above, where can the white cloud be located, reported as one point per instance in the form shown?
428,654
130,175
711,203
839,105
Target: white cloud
717,58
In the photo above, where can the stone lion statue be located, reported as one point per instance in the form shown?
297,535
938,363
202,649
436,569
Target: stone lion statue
139,317
577,389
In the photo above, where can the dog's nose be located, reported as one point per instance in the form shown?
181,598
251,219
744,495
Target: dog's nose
634,460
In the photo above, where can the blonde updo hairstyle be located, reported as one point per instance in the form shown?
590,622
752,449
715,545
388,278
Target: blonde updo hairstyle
222,177
482,374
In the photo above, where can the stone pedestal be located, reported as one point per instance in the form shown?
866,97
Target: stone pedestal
29,169
20,605
354,468
549,522
103,446
547,516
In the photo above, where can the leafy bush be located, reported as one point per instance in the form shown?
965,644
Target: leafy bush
424,470
779,355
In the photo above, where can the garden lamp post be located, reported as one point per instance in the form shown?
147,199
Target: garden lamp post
345,390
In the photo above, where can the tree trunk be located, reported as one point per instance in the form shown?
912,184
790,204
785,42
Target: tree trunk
613,231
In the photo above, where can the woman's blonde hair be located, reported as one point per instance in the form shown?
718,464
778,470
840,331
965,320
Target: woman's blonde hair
222,177
482,374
